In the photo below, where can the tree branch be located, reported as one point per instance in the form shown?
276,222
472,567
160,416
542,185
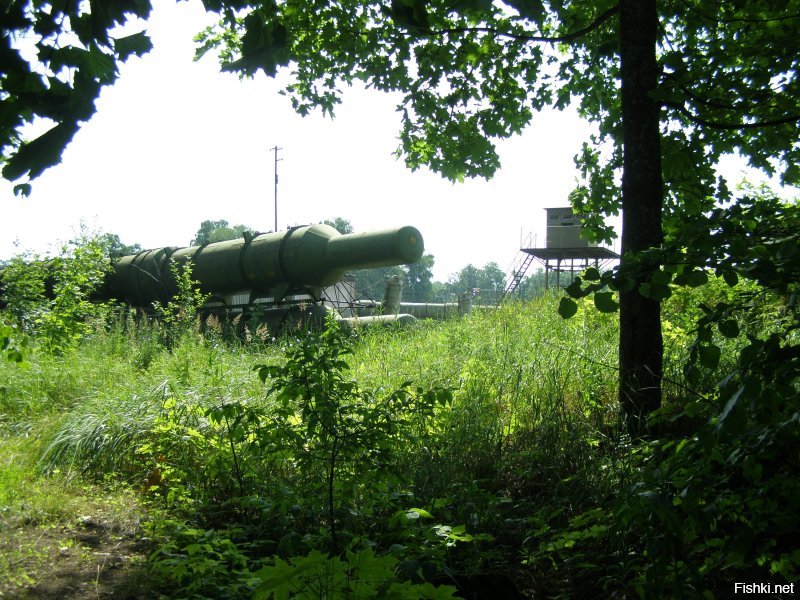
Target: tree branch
706,101
729,126
717,104
708,17
567,37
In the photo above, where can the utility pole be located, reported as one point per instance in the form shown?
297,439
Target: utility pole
275,150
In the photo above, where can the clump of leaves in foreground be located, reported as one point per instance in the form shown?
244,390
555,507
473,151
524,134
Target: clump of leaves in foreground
719,505
179,315
313,483
12,342
52,300
361,575
349,433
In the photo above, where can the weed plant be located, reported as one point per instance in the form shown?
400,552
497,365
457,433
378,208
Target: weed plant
524,378
100,434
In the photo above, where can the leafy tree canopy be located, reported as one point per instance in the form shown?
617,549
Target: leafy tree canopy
371,283
416,279
473,71
343,226
486,282
419,279
115,248
218,231
55,57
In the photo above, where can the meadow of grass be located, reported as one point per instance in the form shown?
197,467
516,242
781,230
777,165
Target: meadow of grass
513,474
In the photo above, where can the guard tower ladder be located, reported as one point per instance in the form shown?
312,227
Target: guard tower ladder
516,272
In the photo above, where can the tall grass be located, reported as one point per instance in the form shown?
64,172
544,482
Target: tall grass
529,452
556,356
535,400
534,394
519,373
86,410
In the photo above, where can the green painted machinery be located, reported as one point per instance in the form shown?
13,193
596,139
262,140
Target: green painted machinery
272,267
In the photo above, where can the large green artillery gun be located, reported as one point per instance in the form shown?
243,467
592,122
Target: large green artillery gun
278,278
270,267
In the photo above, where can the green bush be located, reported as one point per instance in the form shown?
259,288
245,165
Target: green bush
52,300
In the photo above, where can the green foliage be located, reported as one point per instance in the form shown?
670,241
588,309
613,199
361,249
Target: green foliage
187,438
343,226
177,443
524,471
24,281
486,283
53,385
231,470
371,283
418,284
361,575
110,410
341,427
116,248
64,38
12,343
726,491
202,564
754,240
52,300
179,315
710,508
218,231
532,286
567,308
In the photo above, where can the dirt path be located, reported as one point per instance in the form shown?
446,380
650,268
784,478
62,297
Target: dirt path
91,557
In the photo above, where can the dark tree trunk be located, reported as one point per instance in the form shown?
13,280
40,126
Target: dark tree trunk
641,346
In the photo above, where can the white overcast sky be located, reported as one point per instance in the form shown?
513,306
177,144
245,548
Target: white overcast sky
176,142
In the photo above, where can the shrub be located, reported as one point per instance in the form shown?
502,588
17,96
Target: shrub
52,300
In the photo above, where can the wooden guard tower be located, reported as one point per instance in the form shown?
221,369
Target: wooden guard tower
565,251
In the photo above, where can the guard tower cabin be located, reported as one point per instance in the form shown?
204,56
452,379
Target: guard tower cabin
566,251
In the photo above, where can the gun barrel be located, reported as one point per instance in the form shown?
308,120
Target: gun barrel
299,260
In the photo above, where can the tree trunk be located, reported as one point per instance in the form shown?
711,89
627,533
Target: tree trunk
641,345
